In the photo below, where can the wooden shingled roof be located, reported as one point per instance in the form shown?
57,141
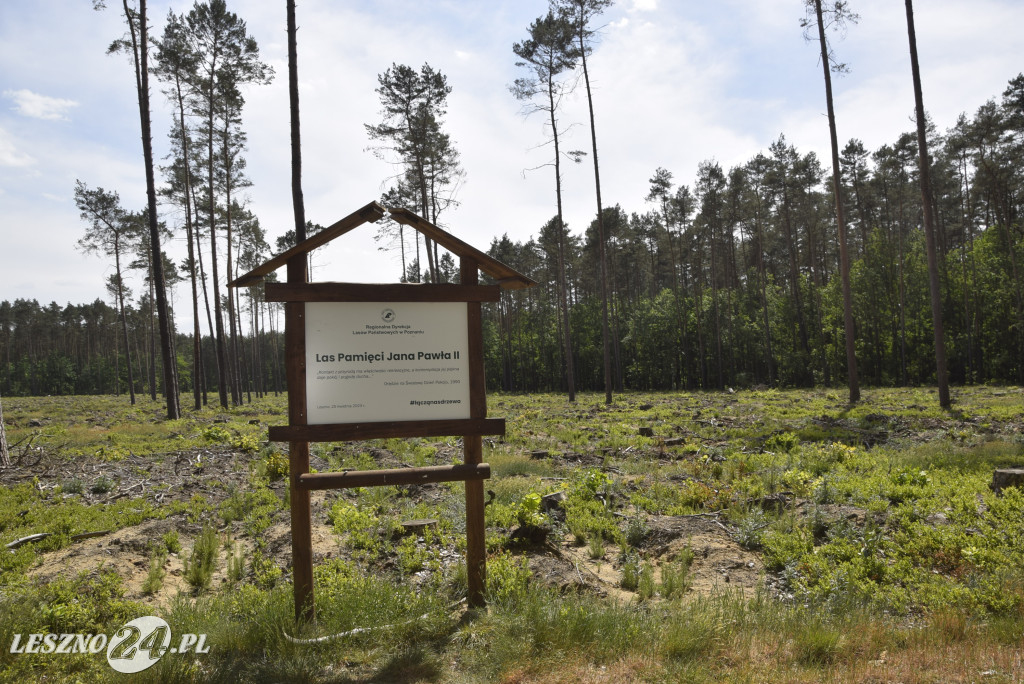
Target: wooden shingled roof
505,276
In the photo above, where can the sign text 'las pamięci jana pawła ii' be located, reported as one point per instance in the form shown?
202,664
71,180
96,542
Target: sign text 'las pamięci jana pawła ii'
374,361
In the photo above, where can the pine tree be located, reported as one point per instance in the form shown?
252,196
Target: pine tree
137,45
115,233
547,54
924,176
839,14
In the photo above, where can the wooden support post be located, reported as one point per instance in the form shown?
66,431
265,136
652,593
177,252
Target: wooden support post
302,534
476,559
298,464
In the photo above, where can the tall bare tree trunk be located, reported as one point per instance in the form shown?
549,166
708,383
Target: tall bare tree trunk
5,456
117,368
151,335
196,333
602,255
298,205
206,296
124,328
844,255
140,45
222,365
563,297
929,220
233,362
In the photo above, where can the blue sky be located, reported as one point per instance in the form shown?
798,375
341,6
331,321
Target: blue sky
675,83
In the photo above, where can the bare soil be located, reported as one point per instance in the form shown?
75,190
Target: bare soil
217,472
719,562
163,479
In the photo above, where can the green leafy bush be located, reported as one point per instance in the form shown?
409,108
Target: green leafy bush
359,525
275,466
528,512
507,578
783,548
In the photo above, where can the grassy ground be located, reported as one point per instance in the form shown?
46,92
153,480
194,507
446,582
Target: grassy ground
748,536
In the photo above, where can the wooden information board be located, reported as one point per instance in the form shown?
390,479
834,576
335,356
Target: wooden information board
379,361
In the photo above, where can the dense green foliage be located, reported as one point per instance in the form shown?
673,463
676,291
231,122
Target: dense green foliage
734,282
78,349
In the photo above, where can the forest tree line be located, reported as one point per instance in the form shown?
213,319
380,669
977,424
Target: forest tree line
729,282
733,281
79,349
738,279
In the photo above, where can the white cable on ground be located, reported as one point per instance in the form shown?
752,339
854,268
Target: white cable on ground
361,630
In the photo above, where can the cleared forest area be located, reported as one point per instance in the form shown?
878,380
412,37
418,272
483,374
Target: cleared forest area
748,535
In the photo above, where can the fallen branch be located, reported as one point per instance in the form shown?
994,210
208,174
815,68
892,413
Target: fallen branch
28,540
700,515
24,450
39,536
360,630
125,492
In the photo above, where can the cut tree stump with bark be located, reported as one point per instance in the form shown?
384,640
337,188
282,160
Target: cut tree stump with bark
419,526
1007,477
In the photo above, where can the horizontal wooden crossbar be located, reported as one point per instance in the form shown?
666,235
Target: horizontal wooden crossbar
364,292
395,476
347,432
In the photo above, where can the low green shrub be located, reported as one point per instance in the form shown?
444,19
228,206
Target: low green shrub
507,578
200,565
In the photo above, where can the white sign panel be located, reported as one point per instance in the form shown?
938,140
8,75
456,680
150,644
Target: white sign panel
386,361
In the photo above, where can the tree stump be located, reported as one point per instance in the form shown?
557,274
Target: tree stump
645,432
418,526
553,501
1007,477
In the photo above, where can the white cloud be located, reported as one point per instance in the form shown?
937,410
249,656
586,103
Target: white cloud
9,154
40,106
674,83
